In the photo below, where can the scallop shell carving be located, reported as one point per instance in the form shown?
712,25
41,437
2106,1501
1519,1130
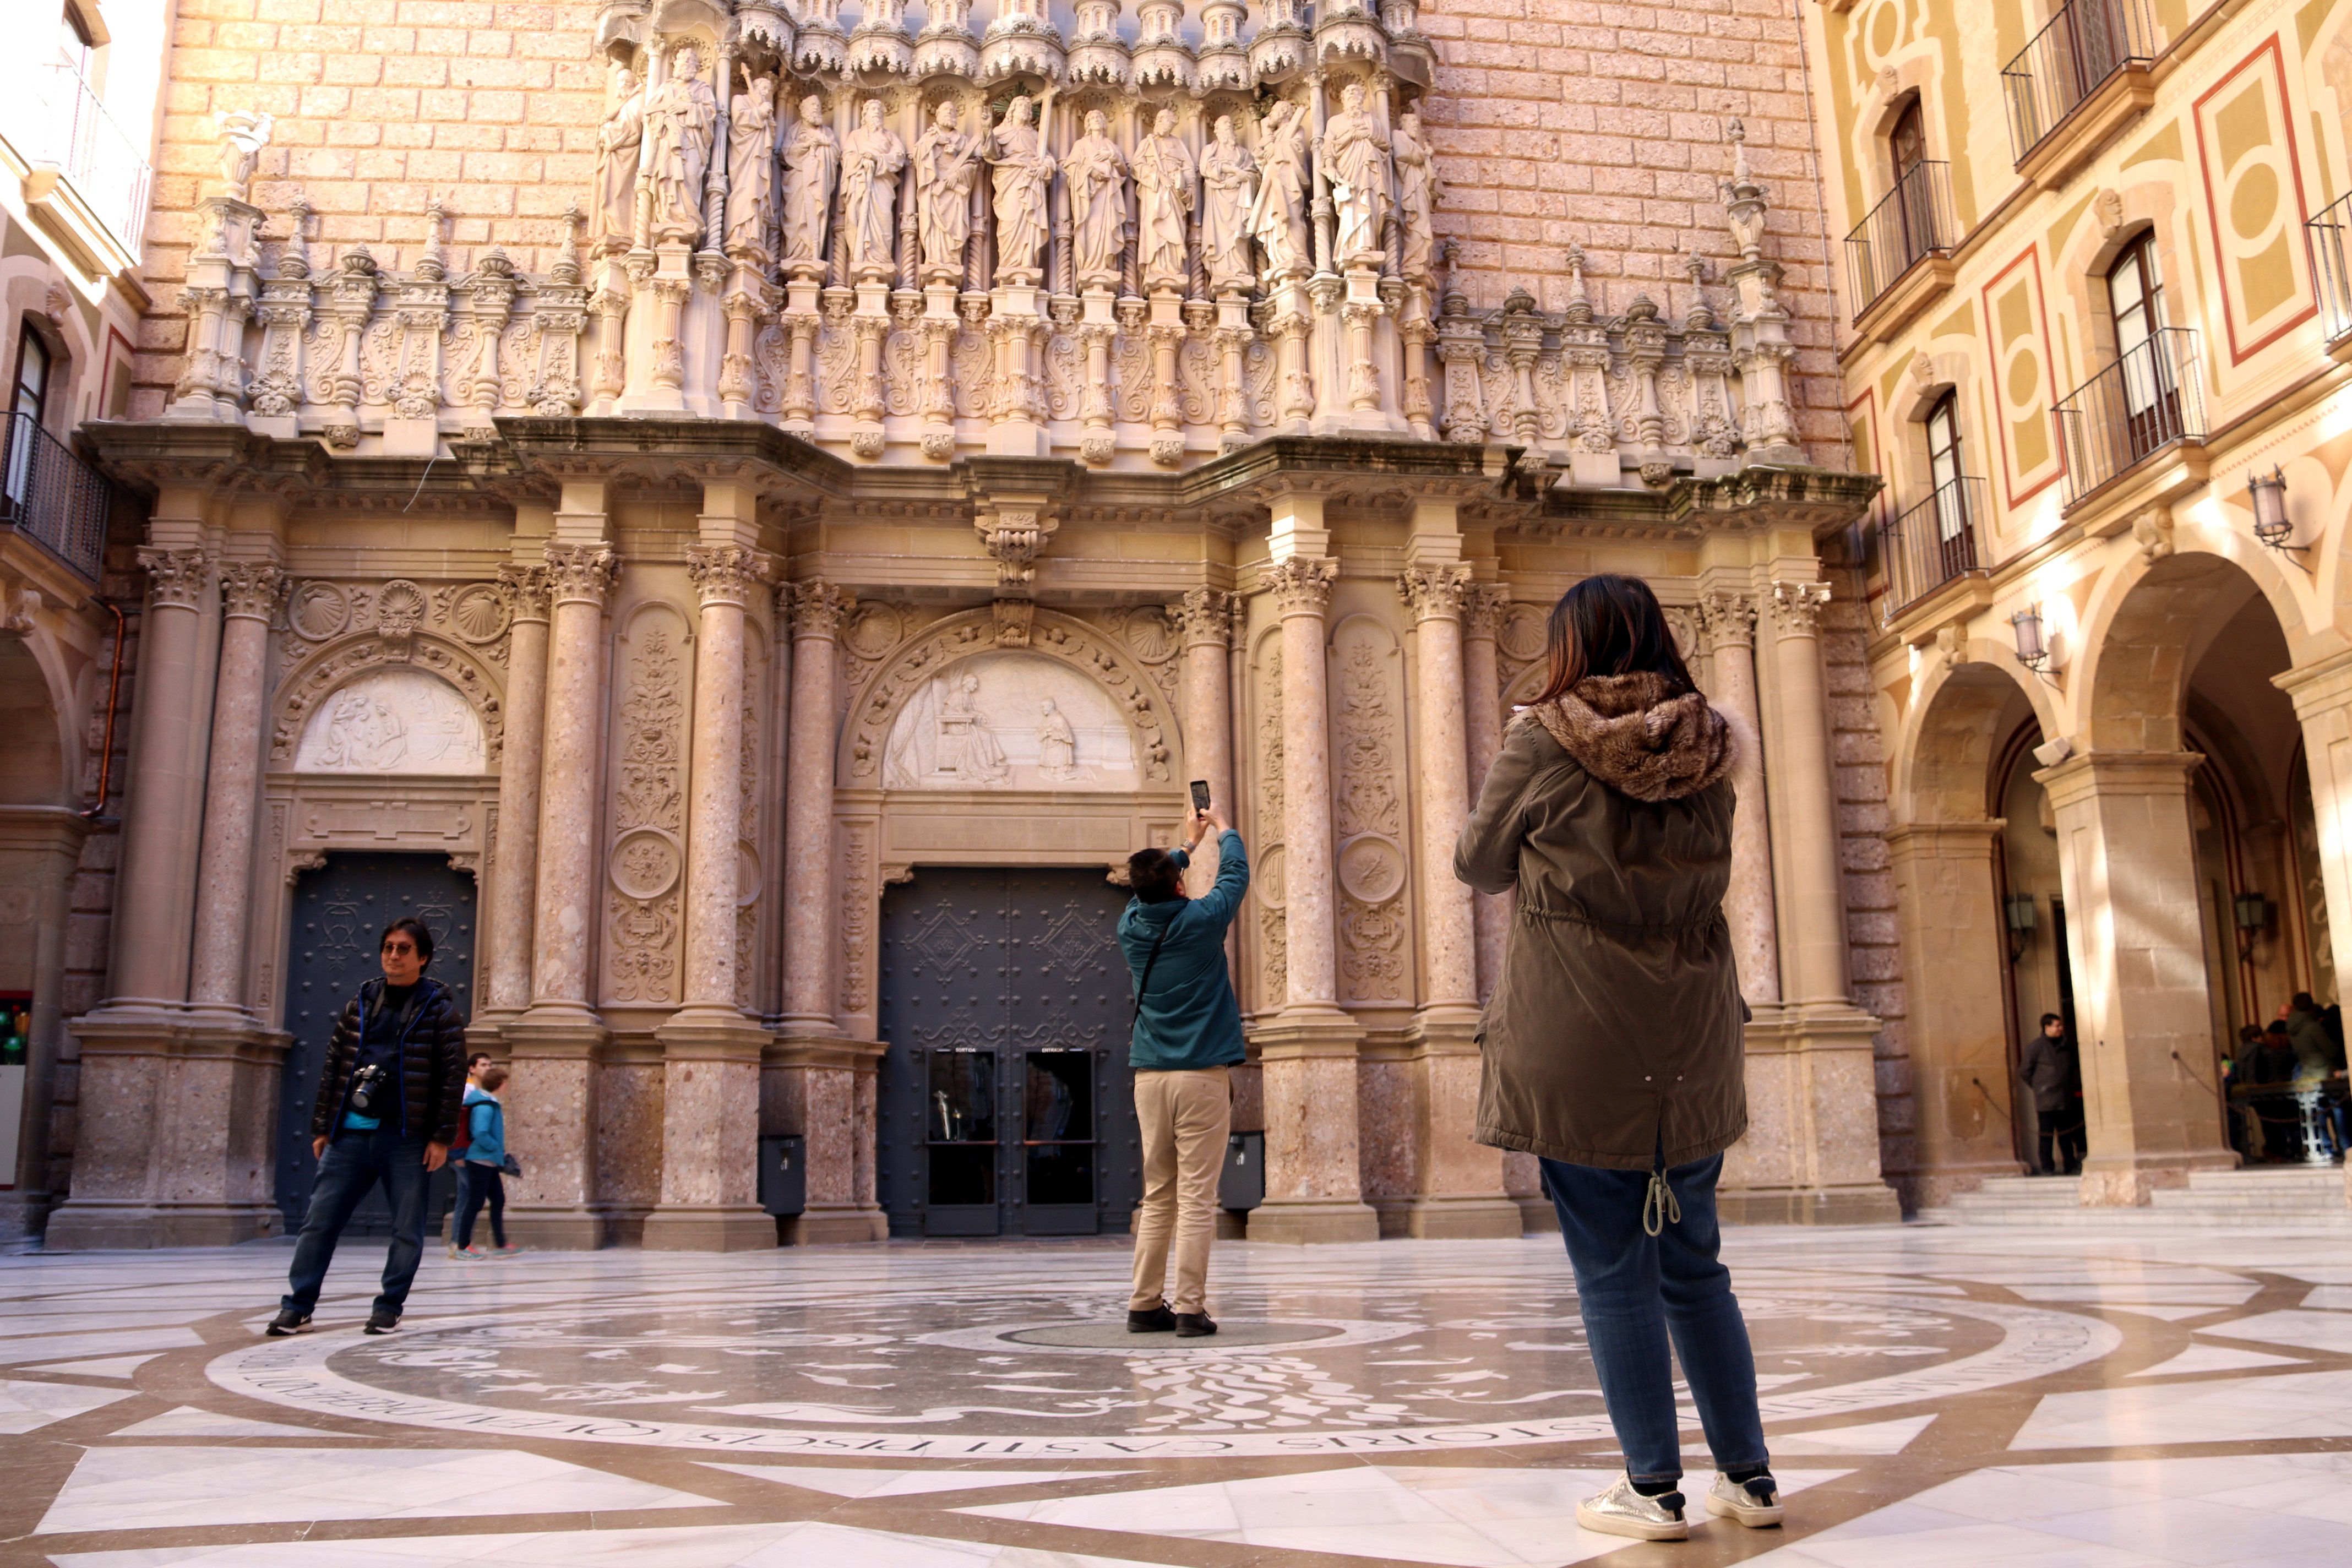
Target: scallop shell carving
477,612
318,611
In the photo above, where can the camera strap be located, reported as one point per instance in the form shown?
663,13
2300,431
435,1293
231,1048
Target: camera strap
1145,983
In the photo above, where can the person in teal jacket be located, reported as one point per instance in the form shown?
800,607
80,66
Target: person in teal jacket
1187,1034
485,1166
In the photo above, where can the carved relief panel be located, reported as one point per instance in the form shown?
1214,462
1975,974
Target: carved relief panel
645,856
1266,886
1367,811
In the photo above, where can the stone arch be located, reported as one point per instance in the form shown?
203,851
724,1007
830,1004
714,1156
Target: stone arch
1961,713
35,770
2148,624
1125,681
334,664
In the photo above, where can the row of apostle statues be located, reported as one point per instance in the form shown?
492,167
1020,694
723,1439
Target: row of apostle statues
1221,206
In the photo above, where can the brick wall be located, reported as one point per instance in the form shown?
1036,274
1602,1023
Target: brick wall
1553,119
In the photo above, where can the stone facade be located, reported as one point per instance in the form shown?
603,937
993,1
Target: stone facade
639,453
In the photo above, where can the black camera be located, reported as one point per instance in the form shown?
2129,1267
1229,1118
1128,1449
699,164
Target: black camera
367,1085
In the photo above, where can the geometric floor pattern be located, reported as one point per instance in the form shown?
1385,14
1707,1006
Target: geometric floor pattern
1936,1397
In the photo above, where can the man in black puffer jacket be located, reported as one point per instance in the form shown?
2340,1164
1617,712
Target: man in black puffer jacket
388,1112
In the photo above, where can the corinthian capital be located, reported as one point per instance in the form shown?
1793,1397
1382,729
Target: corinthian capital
1302,584
1483,606
725,574
1205,616
525,589
252,589
1435,593
1797,608
180,578
581,572
816,608
1728,619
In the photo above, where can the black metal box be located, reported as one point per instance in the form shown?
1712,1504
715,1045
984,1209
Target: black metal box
783,1178
1241,1186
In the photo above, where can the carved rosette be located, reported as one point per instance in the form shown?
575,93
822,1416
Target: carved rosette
726,574
1302,584
252,590
816,608
1797,608
525,591
1435,593
1205,616
178,579
581,573
1728,619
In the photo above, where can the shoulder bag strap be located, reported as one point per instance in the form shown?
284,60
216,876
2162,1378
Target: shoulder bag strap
1145,983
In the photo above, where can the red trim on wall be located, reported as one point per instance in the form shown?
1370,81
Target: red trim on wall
2032,253
2269,46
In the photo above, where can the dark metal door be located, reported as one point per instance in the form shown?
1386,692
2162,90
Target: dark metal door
340,910
1006,1108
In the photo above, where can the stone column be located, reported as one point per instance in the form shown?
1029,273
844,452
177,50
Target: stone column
514,858
1204,621
1730,620
249,592
711,1050
1458,1190
1958,1031
2322,694
1483,606
2135,930
826,1075
555,1045
1817,954
1314,1183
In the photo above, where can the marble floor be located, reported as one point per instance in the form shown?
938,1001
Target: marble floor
1935,1396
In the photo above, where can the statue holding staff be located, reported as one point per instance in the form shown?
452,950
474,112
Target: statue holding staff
812,160
1356,156
1021,172
1278,217
752,168
681,115
1228,185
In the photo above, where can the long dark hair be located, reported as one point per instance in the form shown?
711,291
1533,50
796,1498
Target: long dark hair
1611,625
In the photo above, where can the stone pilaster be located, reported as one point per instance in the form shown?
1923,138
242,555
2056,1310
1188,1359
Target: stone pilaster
250,592
2128,860
2322,694
514,859
1204,622
1729,621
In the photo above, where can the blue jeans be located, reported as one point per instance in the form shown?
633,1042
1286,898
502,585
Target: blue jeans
355,1162
1634,1290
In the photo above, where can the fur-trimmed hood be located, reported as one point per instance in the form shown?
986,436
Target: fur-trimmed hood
1634,734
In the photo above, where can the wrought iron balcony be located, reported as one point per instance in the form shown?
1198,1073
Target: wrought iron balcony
1913,223
50,495
2149,399
2085,45
1931,544
2328,260
53,118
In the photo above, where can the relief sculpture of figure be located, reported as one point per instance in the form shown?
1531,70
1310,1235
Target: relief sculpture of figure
1022,170
947,161
1356,155
1164,197
752,169
1229,183
1058,745
968,747
870,161
812,159
1278,217
681,115
1418,190
1096,172
617,144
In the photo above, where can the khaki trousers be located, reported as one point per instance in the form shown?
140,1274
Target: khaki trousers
1185,1118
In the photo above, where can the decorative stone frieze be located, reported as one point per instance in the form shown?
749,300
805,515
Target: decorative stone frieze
178,579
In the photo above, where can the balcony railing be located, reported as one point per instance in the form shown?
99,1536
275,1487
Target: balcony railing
52,495
2328,259
1932,544
1913,223
2150,398
2085,43
53,117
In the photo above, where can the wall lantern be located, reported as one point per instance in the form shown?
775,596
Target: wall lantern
2252,912
2271,525
2022,915
2032,650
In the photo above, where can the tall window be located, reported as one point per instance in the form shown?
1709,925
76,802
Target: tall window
2151,400
1955,541
1913,202
25,409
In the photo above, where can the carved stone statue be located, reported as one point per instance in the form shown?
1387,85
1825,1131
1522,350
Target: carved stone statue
812,159
617,142
1355,157
1228,185
679,117
1164,196
243,132
1277,220
752,169
1022,170
1096,172
1057,744
870,161
947,161
1418,193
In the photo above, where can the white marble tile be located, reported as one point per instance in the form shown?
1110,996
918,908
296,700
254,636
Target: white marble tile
2235,1410
134,1489
14,1323
2213,1357
2296,1330
803,1545
57,1347
2170,1314
842,1481
1873,1437
30,1407
188,1421
122,1366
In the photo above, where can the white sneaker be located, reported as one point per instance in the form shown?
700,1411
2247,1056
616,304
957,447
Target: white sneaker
1734,1502
1621,1510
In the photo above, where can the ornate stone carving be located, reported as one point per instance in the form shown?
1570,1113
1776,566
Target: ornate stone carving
1014,538
252,589
816,608
1797,607
581,572
1014,618
334,666
726,574
643,913
1205,616
1367,811
1435,593
1483,606
1302,584
1267,887
857,906
400,609
179,579
1728,619
525,592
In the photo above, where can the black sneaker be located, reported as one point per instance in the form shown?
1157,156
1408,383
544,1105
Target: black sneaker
287,1322
382,1322
1195,1325
1151,1320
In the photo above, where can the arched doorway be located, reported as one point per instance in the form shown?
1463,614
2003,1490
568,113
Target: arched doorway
40,842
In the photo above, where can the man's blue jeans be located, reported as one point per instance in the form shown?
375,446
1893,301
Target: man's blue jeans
1634,1290
355,1162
